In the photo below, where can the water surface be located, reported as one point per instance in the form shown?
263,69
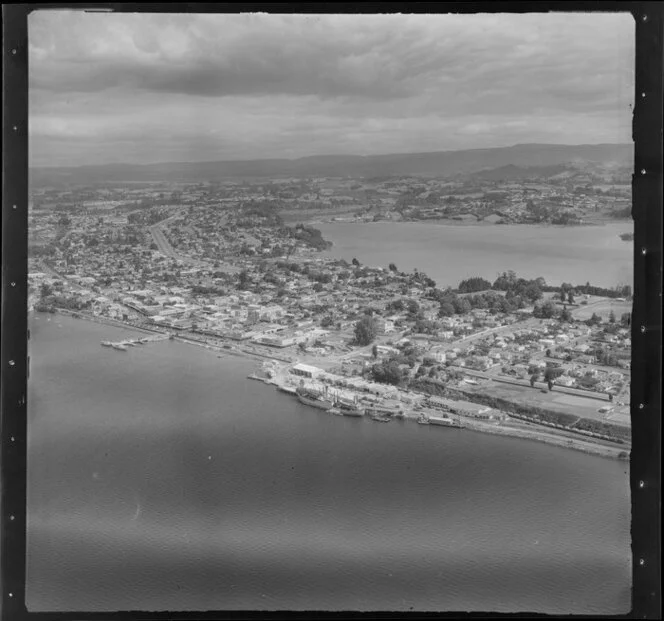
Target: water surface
161,479
450,253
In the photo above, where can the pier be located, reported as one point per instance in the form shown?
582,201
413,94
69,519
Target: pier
135,342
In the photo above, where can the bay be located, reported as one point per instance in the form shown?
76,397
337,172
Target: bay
449,253
160,478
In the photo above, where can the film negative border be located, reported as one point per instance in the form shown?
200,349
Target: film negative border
646,317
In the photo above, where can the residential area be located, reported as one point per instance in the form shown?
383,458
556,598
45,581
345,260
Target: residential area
233,275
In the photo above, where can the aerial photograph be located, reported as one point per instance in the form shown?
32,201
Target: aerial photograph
330,312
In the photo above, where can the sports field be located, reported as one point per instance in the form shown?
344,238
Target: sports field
602,307
557,401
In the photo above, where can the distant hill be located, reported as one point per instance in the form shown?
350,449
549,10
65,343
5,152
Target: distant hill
514,173
436,164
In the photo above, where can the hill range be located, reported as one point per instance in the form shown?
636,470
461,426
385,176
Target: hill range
434,164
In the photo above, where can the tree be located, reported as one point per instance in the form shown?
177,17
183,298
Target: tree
355,262
392,267
243,279
476,283
565,315
413,307
46,290
462,307
533,379
365,331
387,373
545,311
374,351
626,319
612,317
446,310
570,298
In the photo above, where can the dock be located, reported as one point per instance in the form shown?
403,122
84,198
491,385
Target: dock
124,344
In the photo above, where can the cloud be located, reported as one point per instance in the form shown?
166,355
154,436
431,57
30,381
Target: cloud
255,84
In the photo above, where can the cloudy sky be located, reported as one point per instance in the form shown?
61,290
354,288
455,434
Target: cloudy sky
142,88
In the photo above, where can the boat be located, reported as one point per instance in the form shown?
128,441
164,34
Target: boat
379,414
290,390
444,421
106,344
119,346
348,409
313,398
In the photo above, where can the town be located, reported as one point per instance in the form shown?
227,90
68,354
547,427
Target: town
236,267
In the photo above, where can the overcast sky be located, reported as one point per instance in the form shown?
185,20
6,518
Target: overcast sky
141,88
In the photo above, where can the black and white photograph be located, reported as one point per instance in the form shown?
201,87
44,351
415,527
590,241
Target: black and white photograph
330,312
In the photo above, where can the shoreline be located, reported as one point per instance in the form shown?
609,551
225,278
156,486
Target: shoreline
546,436
480,223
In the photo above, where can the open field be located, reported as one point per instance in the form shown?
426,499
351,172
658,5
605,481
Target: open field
308,215
602,307
556,401
620,416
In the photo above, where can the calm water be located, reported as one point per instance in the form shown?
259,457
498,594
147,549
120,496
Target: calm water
161,478
576,254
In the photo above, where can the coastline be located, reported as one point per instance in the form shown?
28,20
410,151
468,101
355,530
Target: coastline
546,436
478,223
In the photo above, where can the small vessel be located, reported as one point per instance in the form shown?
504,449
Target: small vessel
444,421
313,398
348,408
106,344
119,346
380,415
290,390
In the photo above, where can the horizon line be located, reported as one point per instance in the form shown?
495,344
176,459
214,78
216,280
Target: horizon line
320,155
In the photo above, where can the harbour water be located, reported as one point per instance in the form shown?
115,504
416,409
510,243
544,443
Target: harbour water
161,478
581,254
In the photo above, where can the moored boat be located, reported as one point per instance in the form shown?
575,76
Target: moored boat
313,398
119,346
444,421
348,409
106,344
380,415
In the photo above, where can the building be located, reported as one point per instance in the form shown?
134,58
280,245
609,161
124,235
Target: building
304,370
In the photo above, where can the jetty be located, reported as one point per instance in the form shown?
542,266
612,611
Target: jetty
124,344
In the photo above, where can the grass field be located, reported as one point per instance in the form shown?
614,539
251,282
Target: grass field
556,401
602,307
